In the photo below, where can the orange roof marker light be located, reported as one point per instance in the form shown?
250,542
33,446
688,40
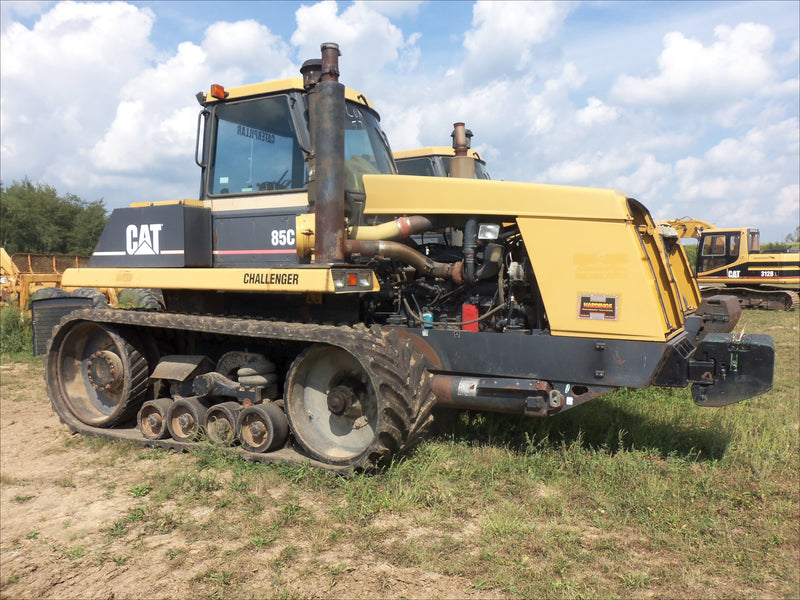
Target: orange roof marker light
217,91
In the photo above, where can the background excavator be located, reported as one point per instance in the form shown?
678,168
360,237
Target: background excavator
730,261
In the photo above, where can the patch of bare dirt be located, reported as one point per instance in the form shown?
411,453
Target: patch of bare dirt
59,500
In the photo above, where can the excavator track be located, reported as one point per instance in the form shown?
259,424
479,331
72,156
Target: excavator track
397,373
766,299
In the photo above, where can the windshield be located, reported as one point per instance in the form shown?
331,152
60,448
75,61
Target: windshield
256,148
480,171
366,149
416,166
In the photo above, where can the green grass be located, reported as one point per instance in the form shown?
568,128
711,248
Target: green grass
15,332
639,493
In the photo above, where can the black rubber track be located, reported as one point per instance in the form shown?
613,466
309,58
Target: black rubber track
141,299
399,370
766,299
96,296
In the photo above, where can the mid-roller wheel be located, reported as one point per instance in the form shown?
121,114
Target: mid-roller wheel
221,423
152,418
185,418
263,427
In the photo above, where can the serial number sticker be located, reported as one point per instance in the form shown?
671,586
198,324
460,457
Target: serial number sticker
598,307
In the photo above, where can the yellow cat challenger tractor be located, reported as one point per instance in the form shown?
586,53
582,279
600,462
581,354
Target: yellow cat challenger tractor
315,305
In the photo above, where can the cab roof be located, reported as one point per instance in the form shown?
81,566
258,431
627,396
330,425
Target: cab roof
291,84
433,151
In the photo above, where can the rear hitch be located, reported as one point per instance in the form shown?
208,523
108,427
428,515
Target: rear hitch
727,368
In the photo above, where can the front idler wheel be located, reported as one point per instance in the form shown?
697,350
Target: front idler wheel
100,377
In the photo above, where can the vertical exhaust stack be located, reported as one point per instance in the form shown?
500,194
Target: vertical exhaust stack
328,135
462,165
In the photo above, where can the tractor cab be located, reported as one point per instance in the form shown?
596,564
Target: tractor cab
257,143
434,161
721,250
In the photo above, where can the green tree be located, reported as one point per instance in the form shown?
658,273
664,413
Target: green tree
34,218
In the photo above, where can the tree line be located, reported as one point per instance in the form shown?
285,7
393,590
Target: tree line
34,218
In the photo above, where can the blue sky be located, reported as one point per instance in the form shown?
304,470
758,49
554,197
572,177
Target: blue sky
690,107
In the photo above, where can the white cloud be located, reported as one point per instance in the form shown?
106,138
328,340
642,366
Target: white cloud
368,40
162,121
394,8
60,88
787,200
10,9
247,48
601,166
647,181
122,123
503,34
596,112
741,181
737,64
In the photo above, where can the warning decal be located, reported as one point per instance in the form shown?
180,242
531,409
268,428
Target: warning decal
597,306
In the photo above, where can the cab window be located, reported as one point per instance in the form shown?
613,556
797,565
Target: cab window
416,166
713,253
480,170
752,242
733,245
366,149
714,245
256,148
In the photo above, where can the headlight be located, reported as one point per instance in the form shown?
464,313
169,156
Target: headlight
488,231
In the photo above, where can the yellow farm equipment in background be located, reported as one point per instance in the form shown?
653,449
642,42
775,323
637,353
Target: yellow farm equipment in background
22,274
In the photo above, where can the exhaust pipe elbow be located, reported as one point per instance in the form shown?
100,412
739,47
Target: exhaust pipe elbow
409,256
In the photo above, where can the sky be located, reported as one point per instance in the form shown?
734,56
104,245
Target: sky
690,107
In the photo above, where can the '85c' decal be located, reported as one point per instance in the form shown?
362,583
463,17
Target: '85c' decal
282,237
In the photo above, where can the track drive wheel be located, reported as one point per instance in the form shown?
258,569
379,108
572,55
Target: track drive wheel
356,411
95,374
